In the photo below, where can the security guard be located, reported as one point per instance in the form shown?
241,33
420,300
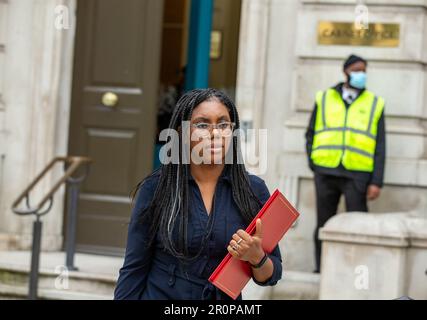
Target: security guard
345,144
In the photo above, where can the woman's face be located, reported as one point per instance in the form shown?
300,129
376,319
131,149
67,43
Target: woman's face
208,144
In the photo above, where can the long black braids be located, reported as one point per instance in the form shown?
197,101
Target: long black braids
169,206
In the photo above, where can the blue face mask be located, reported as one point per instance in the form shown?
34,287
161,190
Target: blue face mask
358,79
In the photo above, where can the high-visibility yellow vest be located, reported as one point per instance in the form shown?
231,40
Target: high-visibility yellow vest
346,136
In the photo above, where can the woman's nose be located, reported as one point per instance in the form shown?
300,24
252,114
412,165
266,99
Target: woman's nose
216,133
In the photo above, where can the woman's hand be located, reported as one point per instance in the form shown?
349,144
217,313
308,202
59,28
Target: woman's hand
245,247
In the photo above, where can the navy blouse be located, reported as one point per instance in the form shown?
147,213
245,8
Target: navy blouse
152,273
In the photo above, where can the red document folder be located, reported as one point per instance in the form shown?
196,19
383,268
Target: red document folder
277,216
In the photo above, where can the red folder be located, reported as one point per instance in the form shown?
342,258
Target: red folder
277,216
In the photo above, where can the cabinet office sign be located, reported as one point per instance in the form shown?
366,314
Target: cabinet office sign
346,33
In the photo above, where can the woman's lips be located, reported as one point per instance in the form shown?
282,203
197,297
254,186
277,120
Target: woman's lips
214,148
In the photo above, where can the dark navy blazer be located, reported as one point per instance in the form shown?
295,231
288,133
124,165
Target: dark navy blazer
152,273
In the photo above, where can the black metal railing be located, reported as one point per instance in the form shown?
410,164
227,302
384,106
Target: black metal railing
72,164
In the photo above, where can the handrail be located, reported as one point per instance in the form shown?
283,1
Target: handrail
73,192
75,162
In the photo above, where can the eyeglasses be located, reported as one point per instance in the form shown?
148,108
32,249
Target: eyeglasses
224,128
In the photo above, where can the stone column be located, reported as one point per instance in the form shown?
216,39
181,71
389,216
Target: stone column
36,96
250,86
252,59
4,8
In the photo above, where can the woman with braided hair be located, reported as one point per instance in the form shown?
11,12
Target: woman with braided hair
190,212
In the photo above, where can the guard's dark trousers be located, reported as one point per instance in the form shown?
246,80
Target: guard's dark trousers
328,192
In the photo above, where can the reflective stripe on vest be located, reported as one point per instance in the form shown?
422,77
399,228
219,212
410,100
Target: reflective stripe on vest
346,136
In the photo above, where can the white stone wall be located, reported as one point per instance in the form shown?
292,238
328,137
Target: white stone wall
3,26
35,85
281,67
4,19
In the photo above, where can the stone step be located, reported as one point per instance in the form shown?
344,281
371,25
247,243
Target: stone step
19,293
95,279
297,285
14,283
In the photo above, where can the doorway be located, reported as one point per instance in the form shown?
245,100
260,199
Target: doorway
129,70
114,95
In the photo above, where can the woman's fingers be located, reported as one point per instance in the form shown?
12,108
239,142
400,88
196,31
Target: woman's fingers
258,230
237,237
233,252
241,249
235,246
241,244
244,235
